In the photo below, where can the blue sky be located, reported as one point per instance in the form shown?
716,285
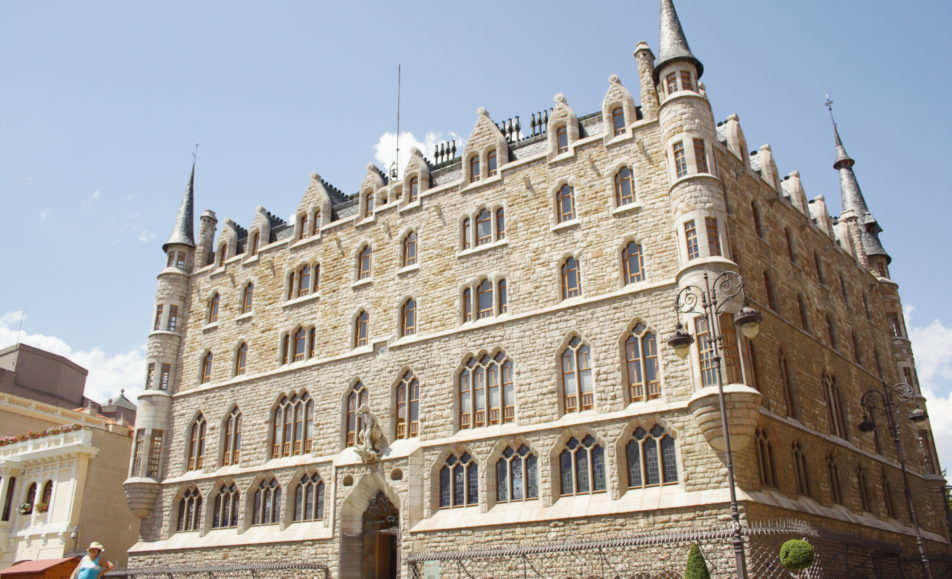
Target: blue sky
104,101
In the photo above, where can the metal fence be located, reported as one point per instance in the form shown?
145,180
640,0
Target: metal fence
260,570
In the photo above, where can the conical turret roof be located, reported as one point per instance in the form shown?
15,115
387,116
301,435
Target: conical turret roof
853,202
674,44
184,231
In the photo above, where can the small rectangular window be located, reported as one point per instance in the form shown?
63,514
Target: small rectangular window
173,318
687,83
155,454
680,160
491,163
158,317
700,156
149,375
895,325
164,376
713,238
671,82
690,239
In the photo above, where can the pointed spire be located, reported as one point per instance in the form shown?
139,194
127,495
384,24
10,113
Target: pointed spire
674,44
851,197
183,232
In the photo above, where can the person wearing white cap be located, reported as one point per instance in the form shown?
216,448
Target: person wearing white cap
92,564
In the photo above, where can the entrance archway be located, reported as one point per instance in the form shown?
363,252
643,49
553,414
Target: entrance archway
370,533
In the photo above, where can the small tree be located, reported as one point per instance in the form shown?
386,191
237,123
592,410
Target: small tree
796,555
697,568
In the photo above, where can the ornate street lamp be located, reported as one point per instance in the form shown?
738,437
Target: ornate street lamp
869,402
709,301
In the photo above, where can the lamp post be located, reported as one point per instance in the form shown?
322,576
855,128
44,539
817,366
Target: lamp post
869,403
709,301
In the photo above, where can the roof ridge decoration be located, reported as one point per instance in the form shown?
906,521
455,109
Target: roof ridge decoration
183,233
673,42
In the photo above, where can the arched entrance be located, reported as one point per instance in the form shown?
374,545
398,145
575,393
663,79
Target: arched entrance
381,532
370,535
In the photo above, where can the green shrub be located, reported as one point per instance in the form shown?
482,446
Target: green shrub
796,555
697,568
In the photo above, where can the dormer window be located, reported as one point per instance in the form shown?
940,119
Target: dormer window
302,226
618,121
222,253
474,168
491,163
255,241
369,204
561,140
678,81
316,222
414,190
671,83
687,82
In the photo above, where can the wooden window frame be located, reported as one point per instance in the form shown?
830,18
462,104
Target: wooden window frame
680,159
413,189
632,263
241,359
565,210
618,121
624,176
459,491
483,231
713,236
474,169
576,372
206,368
309,498
226,506
362,329
408,323
561,140
571,270
409,250
357,397
365,263
292,423
700,156
196,443
569,458
247,298
407,416
641,362
491,163
231,442
647,460
486,391
266,505
517,464
213,308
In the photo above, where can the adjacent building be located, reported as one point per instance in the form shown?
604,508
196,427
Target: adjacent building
463,370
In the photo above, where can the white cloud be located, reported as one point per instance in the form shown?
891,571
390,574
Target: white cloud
44,214
933,348
145,236
385,149
108,374
93,197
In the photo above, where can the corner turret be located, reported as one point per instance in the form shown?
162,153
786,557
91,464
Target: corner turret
674,44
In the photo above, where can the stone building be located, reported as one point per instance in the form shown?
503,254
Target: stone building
463,370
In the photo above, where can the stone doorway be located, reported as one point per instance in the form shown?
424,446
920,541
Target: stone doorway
381,532
370,545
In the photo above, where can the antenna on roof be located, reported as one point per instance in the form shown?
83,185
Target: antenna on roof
394,169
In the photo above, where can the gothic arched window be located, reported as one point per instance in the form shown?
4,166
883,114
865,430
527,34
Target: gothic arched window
196,443
624,187
231,444
225,514
267,503
652,458
641,364
633,263
309,498
487,394
582,467
577,384
357,397
459,481
189,510
564,204
517,476
292,423
408,406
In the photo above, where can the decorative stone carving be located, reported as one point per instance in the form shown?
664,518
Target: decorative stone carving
742,404
370,436
140,495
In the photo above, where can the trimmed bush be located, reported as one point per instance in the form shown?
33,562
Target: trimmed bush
697,568
796,555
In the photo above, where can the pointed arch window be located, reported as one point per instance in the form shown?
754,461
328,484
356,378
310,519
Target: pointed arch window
888,504
465,232
484,300
577,384
225,514
641,364
292,422
791,245
222,254
834,405
467,305
206,368
652,458
758,222
302,226
316,222
502,296
517,477
241,359
459,481
786,383
309,498
564,204
487,393
357,397
618,121
633,263
232,440
247,298
409,253
213,305
267,503
362,329
189,510
474,169
491,163
582,467
304,280
408,406
484,227
500,223
833,473
765,461
196,443
800,470
624,187
571,279
804,313
771,294
408,318
413,191
364,262
254,243
865,500
368,203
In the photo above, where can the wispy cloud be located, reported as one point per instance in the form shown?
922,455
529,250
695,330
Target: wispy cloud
92,197
145,236
44,214
385,151
932,344
108,373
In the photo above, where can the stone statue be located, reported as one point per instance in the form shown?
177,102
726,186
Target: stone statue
369,434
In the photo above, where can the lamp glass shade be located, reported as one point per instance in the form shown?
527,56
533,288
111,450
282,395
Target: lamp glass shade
866,425
918,415
681,341
748,320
